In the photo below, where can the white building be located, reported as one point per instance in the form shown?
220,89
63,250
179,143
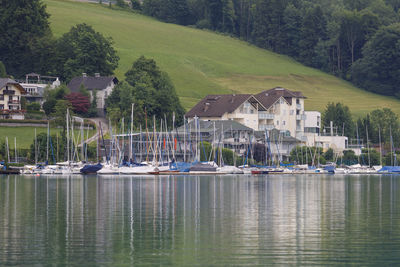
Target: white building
35,84
10,99
284,111
325,139
102,85
277,108
242,108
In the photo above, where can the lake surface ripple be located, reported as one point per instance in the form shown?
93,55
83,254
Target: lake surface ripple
200,220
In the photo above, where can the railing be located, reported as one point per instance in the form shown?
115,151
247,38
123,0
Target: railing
9,92
13,102
298,106
264,127
267,116
301,117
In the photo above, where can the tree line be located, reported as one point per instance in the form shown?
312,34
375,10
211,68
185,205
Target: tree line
27,45
378,126
357,40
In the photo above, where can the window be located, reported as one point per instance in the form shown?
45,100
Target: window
1,97
277,122
2,106
291,112
284,123
297,101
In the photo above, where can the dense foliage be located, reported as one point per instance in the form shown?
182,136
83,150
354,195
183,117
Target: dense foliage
80,102
150,89
27,44
340,36
24,31
83,50
341,117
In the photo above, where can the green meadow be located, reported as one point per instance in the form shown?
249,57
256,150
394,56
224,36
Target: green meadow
201,62
25,135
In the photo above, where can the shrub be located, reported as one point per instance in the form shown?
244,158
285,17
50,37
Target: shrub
33,106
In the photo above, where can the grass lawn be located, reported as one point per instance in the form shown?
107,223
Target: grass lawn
201,62
26,135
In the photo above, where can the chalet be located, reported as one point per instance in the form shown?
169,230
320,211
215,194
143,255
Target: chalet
242,108
102,85
10,99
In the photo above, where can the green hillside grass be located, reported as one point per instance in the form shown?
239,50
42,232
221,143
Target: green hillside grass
25,135
201,62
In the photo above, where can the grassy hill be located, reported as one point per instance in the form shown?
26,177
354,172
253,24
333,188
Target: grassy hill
201,62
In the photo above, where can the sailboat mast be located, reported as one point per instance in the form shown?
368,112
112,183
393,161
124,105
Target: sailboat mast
67,134
184,139
380,145
47,145
369,158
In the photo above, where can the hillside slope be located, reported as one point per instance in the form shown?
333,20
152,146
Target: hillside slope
201,62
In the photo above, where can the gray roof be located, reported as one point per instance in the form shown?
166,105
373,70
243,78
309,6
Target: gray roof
269,97
91,83
5,81
218,105
208,126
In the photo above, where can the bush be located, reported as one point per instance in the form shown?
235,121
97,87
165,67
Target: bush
203,24
33,106
136,5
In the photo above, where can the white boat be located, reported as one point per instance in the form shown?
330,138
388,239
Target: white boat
229,170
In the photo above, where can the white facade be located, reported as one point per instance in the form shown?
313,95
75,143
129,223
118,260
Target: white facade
245,114
10,101
314,136
102,95
285,117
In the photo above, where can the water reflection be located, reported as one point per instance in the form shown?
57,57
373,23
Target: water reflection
203,220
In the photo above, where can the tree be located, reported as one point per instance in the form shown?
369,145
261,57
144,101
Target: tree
379,68
312,31
93,105
292,19
150,89
121,3
136,5
51,96
3,72
35,106
23,26
80,103
82,49
388,123
341,117
49,106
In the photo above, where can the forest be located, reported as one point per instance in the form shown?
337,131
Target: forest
357,40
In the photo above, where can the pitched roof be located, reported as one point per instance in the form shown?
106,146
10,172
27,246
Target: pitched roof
5,81
218,105
208,126
269,97
91,83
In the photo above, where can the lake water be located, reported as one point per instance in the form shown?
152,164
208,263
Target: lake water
200,220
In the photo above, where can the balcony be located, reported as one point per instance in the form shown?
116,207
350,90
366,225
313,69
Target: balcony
14,102
298,106
267,127
266,116
8,92
301,117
